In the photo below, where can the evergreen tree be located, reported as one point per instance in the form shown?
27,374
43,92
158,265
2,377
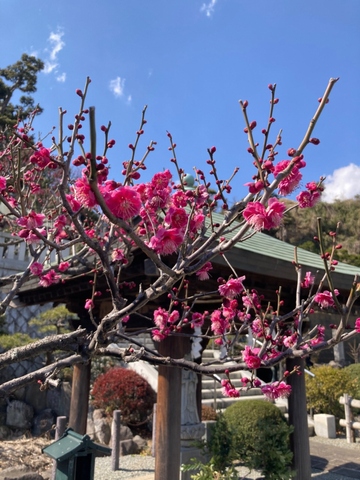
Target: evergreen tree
22,77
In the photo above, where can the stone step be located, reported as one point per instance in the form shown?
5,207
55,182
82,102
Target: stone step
225,402
244,393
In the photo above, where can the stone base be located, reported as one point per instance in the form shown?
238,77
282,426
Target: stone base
325,425
186,454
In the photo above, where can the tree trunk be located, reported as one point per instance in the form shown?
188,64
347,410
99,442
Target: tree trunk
299,439
168,412
80,397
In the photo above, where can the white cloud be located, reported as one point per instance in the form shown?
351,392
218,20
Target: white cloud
129,98
344,183
117,86
56,45
208,8
61,78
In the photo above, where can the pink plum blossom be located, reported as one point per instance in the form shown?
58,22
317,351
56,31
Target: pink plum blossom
274,213
292,180
36,268
41,158
117,255
160,317
261,218
325,298
166,241
124,202
308,280
63,266
83,193
32,220
197,319
308,199
176,218
219,324
357,325
255,215
203,272
74,204
2,183
276,390
50,278
250,357
232,288
89,304
228,390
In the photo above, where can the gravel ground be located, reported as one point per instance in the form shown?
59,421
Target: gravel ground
141,467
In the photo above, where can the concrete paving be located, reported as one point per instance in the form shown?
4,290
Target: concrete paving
334,462
339,461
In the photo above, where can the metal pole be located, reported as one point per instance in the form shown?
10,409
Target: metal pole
59,431
115,443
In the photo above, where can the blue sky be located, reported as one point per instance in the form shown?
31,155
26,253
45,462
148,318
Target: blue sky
191,61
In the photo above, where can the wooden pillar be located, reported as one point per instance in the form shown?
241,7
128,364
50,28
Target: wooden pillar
299,439
168,411
80,397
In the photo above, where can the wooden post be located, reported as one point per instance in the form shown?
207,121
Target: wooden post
59,430
348,419
168,412
115,442
80,397
299,439
153,437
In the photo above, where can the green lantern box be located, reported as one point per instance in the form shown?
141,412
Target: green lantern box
75,456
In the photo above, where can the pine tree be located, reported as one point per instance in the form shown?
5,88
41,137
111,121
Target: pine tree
22,77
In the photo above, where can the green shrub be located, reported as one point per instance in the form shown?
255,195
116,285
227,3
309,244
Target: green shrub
354,371
261,438
125,390
219,449
324,390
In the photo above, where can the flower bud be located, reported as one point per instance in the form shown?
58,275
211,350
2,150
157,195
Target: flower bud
291,152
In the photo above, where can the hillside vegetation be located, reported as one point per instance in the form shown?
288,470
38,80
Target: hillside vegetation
300,226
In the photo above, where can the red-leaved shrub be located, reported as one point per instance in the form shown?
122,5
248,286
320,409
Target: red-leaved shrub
125,390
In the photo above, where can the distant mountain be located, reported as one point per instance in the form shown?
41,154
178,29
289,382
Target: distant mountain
300,227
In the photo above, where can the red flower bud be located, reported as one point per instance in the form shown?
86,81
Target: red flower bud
245,103
79,92
314,141
212,149
291,152
253,125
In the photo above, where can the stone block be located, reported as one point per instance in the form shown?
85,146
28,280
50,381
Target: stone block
19,415
128,447
43,423
325,425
